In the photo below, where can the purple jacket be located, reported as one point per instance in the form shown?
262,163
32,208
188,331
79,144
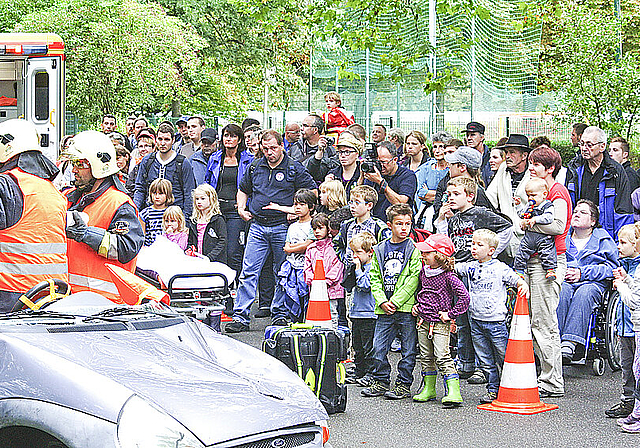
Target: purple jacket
436,295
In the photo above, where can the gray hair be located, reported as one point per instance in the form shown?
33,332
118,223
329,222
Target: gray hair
441,136
396,133
600,135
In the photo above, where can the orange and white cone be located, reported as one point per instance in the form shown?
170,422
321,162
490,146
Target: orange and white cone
133,289
319,311
518,392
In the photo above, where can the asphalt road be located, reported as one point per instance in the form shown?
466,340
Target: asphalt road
379,423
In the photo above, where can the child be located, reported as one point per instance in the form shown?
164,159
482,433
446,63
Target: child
173,226
291,276
539,211
322,249
337,119
628,245
629,289
435,308
395,268
160,197
207,229
488,280
362,312
332,196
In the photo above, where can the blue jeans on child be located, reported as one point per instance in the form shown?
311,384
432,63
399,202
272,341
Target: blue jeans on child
261,241
490,343
388,326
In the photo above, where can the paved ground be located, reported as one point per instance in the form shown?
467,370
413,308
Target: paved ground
579,422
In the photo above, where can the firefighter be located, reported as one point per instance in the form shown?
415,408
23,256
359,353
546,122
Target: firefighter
33,246
103,225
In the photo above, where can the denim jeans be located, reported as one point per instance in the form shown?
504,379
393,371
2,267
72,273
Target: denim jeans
266,284
466,354
490,343
261,241
362,331
577,302
235,248
388,326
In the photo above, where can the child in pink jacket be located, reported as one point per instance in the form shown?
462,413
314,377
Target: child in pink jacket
322,249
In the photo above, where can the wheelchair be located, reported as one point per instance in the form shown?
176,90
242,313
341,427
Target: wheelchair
602,341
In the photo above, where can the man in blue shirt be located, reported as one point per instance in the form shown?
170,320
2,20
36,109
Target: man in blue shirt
272,178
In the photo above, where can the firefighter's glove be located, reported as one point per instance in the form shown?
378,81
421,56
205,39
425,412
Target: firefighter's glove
78,229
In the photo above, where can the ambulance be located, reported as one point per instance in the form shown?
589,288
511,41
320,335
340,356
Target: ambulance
32,84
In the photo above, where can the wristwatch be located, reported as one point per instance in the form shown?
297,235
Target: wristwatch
383,185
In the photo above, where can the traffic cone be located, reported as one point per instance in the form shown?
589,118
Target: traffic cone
133,289
518,392
319,311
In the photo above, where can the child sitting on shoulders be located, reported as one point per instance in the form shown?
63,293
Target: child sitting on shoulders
160,197
336,119
322,249
441,299
488,279
207,228
174,228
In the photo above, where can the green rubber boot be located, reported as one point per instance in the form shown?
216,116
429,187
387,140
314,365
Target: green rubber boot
428,392
452,398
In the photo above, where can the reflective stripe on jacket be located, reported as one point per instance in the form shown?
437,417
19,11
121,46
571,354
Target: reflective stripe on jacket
87,271
35,248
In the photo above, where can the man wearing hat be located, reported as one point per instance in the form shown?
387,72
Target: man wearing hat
475,139
507,189
348,172
200,160
182,136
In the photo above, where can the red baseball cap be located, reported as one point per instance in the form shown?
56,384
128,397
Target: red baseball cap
438,243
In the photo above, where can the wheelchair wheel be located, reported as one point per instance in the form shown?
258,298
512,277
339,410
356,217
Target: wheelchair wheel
611,339
598,366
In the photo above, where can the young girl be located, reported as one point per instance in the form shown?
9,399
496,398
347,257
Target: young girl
435,310
322,249
207,230
332,196
336,119
174,228
160,197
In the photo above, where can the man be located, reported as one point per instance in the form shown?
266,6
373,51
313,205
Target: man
167,164
314,145
140,124
110,231
576,134
475,139
509,182
396,136
594,175
182,136
274,177
200,160
379,133
195,126
33,245
108,124
394,184
129,126
619,151
291,135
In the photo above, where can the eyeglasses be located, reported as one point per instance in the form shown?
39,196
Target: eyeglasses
386,162
308,126
345,153
80,163
589,145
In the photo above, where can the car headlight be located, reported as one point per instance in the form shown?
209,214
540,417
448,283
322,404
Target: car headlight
140,425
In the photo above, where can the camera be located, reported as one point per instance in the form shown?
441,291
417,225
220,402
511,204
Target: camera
370,155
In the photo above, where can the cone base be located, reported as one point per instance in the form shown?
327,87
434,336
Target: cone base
518,408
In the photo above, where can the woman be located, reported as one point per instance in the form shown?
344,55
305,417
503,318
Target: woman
349,149
592,255
123,158
430,173
497,156
415,150
225,170
545,163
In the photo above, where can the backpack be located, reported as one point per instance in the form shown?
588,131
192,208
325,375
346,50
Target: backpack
179,161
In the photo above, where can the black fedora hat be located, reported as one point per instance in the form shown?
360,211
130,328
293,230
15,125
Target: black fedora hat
518,141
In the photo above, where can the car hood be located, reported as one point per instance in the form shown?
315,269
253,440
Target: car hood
174,368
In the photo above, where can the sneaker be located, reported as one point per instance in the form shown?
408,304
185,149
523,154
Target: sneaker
365,381
377,389
477,378
620,409
395,345
546,394
399,392
632,428
236,327
464,375
279,322
488,397
263,312
628,420
351,379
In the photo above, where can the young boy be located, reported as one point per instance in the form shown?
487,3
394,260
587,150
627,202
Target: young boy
362,312
291,276
336,119
539,211
395,270
458,219
488,280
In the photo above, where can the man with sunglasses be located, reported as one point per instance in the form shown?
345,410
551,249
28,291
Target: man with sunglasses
103,225
594,175
32,215
313,145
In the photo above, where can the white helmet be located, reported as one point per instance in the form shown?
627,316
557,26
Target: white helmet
97,148
17,136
